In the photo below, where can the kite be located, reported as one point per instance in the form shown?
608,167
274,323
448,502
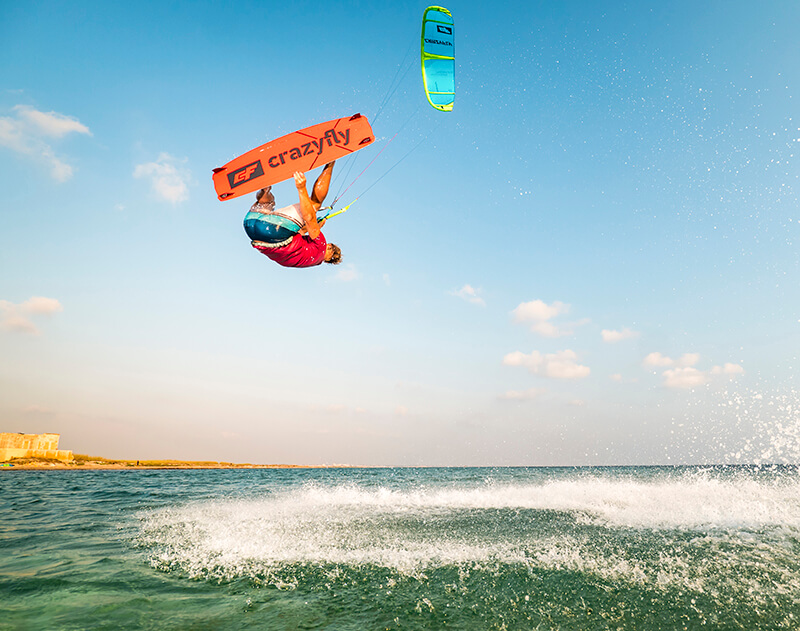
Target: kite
438,58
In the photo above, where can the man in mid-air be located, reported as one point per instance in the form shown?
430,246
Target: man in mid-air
291,236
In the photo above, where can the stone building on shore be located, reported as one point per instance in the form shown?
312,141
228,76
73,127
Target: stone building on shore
32,446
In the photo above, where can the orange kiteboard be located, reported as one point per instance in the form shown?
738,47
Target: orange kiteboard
299,151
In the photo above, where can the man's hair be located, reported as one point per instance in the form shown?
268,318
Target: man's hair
336,254
262,192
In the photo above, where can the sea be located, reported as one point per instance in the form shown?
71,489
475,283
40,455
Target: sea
356,549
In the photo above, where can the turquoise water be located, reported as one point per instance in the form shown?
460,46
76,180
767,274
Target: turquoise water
362,549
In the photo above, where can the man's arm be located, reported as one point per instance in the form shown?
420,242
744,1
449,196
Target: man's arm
307,209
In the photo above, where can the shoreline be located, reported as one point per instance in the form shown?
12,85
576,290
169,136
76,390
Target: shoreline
30,464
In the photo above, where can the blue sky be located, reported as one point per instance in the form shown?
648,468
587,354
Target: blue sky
592,260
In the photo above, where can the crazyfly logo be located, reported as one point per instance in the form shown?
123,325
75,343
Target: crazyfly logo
438,41
447,30
331,137
245,174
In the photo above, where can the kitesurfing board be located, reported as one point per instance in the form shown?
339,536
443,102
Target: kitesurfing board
302,150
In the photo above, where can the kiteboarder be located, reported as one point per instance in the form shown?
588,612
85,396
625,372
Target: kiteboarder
291,236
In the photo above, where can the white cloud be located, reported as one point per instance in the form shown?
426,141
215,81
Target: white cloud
170,181
518,358
727,369
538,310
558,365
18,323
11,135
16,317
612,337
523,395
659,360
682,374
40,304
687,377
688,359
29,131
51,123
387,280
538,315
616,377
547,329
347,273
470,294
563,365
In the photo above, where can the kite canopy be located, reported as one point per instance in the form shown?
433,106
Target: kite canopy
438,58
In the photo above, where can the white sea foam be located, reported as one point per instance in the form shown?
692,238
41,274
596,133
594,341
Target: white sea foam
413,530
741,426
690,502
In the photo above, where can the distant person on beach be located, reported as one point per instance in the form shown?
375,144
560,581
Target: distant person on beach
291,236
